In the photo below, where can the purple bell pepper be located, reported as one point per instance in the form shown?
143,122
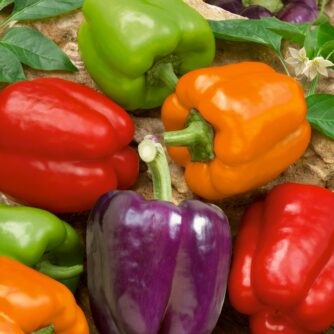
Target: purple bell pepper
298,12
256,12
154,267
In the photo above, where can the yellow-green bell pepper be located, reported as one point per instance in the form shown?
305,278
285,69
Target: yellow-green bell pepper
135,49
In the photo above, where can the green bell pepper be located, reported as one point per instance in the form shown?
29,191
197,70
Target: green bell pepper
135,49
40,240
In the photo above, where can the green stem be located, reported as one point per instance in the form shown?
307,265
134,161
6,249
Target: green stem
330,55
47,330
59,272
165,73
197,135
313,86
323,5
153,154
280,57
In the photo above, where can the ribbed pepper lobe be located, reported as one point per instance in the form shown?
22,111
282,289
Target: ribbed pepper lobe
155,267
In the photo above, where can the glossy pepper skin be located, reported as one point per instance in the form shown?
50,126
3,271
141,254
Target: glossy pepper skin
41,240
63,145
283,266
123,43
256,127
31,301
154,267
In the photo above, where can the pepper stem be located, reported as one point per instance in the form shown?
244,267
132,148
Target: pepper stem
47,330
153,154
197,135
165,72
59,272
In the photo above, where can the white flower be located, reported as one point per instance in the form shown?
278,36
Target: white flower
298,59
315,66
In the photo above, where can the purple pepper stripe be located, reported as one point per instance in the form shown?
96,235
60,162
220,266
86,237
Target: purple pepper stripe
154,267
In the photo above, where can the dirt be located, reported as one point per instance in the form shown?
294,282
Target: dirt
315,167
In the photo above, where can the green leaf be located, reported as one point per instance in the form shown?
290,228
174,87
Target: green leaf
246,31
10,67
311,42
39,9
35,50
5,3
321,113
328,49
325,34
322,18
289,31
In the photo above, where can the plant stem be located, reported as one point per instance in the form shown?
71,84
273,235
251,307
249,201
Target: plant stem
313,86
153,154
280,57
330,55
165,72
197,135
59,272
323,5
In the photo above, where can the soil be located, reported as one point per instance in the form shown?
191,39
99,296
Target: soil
315,167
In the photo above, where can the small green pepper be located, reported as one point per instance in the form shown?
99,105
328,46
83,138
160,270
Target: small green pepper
135,49
42,241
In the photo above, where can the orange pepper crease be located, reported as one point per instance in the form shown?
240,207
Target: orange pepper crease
259,122
30,301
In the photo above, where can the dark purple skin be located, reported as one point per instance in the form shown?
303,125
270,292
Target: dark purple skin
297,12
233,6
309,3
154,267
256,12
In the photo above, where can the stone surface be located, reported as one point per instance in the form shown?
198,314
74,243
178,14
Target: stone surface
315,167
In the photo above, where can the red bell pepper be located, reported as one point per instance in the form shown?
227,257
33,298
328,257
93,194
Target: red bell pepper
62,145
283,268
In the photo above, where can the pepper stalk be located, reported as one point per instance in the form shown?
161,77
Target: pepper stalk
198,135
153,154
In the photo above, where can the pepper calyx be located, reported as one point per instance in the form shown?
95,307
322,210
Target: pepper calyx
198,136
163,72
47,330
59,272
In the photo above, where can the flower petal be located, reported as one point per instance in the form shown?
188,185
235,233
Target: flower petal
325,62
323,71
292,61
299,69
294,52
302,53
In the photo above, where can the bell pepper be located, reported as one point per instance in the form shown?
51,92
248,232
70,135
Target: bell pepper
32,303
40,240
135,49
63,145
154,267
238,127
283,265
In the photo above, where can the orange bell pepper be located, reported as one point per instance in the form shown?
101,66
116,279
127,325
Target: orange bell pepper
32,302
239,126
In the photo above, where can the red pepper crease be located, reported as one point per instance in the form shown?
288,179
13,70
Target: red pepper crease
62,145
283,268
